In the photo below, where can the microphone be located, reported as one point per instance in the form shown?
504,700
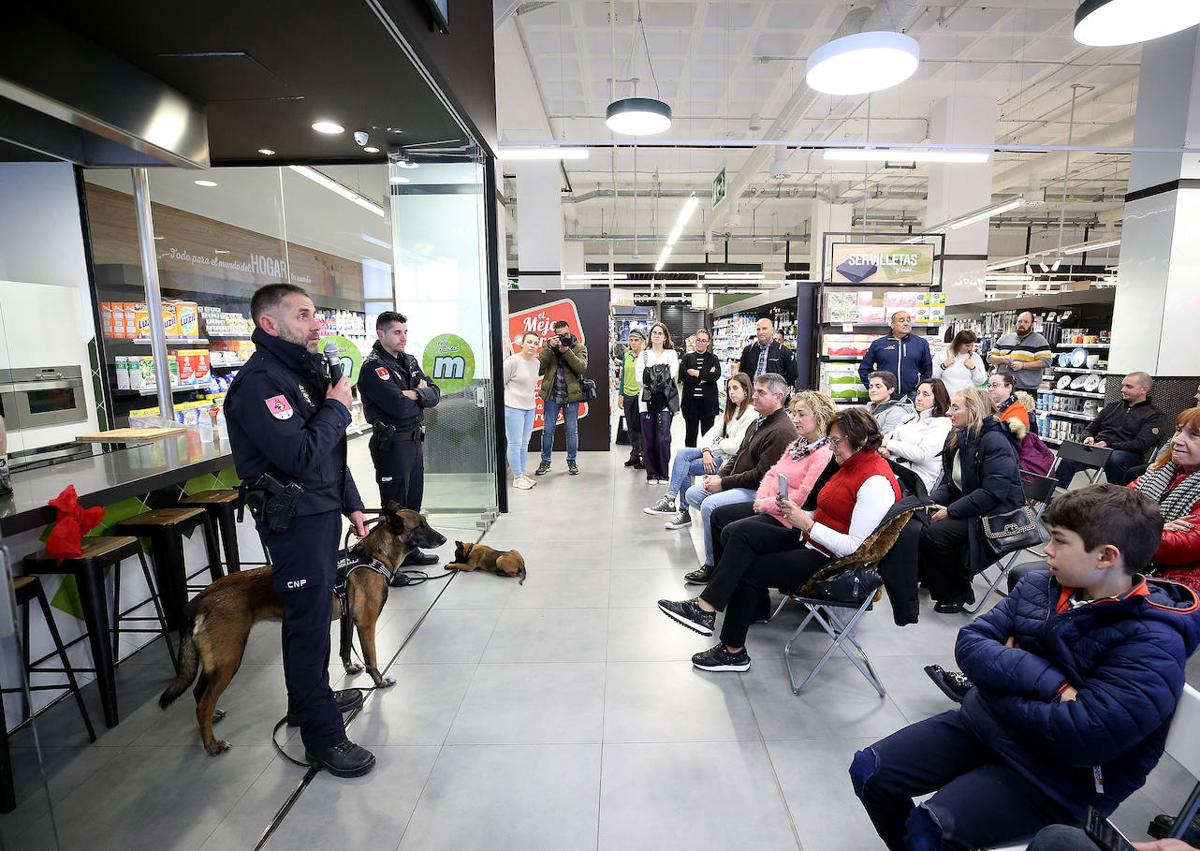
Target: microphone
333,362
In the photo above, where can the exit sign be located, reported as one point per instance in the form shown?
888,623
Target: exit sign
718,188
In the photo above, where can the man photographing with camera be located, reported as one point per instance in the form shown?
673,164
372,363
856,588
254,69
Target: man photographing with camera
563,361
287,429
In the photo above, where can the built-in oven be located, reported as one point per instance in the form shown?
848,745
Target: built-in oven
42,396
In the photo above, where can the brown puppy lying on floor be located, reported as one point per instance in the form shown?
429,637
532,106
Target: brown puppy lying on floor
217,622
468,557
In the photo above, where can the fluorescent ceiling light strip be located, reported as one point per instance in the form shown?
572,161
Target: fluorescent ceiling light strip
599,276
535,153
337,188
1091,246
685,213
986,213
879,155
662,258
1006,264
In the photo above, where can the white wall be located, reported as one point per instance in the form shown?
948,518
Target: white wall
45,305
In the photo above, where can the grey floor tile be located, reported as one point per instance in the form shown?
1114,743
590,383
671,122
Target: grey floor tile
515,797
532,704
647,635
417,710
816,785
245,824
656,550
542,554
477,591
65,770
673,702
719,794
644,588
419,597
1134,814
909,686
451,636
561,588
361,812
839,700
548,635
133,802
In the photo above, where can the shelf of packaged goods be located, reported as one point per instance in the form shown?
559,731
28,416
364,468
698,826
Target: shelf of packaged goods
879,324
1051,441
1069,346
1069,415
1079,371
228,365
178,388
1082,393
840,358
171,341
229,336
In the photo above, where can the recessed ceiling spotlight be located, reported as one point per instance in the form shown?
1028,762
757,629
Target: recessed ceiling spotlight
266,152
329,128
370,149
205,182
1108,23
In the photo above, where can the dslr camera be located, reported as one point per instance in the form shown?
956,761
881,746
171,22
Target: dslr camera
566,339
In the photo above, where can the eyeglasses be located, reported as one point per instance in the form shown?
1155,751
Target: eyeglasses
954,407
834,442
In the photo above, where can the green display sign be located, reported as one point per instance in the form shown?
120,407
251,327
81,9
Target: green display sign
718,189
449,361
348,354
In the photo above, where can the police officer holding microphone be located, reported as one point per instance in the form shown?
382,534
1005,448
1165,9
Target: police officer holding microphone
395,393
287,429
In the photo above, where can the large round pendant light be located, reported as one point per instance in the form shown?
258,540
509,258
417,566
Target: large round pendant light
1107,23
638,116
862,62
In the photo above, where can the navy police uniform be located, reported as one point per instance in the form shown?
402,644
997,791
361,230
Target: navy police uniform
396,419
281,423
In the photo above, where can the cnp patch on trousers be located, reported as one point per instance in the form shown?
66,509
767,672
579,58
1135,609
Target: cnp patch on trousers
280,408
382,372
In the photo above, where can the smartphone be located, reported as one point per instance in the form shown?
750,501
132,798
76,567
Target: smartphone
783,487
1101,831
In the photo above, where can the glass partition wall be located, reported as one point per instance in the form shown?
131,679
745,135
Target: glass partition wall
439,240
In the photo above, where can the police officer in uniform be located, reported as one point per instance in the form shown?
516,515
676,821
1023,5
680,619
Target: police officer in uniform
287,429
395,393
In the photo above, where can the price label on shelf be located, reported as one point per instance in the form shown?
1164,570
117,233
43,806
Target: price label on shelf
848,328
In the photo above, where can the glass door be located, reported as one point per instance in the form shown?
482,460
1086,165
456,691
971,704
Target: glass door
439,242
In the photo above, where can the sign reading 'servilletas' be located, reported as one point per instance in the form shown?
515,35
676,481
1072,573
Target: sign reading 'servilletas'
886,263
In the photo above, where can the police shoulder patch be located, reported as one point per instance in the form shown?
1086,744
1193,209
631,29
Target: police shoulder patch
382,372
280,407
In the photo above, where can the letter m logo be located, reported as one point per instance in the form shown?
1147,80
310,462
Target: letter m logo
449,367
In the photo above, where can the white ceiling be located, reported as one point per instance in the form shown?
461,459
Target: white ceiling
728,69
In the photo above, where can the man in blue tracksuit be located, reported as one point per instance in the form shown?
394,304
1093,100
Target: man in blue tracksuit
902,353
1076,678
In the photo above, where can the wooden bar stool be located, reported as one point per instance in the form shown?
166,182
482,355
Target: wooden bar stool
222,506
165,529
99,554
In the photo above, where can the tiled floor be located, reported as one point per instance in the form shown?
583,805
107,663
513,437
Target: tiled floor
560,714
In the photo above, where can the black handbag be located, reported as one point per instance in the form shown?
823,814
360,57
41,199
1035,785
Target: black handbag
588,388
851,585
1011,531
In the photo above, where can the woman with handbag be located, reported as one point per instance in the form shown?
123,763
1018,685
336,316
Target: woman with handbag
850,506
980,478
917,442
658,365
719,442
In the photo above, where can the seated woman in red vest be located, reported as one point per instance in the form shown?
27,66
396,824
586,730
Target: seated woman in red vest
849,508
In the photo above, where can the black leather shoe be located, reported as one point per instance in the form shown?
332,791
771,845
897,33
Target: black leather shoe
633,459
419,559
1163,824
345,759
948,608
699,577
347,700
954,684
638,465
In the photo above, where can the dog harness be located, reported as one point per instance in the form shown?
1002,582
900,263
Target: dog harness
356,559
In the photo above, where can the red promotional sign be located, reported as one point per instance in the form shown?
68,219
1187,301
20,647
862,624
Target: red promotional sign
540,320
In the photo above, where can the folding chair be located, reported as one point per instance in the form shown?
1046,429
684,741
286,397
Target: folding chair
1091,458
1038,492
842,634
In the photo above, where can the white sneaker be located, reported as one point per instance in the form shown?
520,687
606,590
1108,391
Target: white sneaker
522,483
532,482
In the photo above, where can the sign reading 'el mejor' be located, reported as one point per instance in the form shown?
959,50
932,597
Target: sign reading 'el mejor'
890,264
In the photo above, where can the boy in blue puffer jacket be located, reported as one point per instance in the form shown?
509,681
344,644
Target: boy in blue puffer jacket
1076,677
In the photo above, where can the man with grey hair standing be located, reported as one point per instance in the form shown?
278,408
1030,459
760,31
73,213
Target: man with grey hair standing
902,353
1024,353
1130,428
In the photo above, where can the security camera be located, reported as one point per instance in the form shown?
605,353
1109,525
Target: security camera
361,137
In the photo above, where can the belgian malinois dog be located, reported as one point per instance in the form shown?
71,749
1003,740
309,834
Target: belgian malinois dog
217,621
469,557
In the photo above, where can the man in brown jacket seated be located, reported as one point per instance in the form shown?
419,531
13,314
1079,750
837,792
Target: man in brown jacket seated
739,477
